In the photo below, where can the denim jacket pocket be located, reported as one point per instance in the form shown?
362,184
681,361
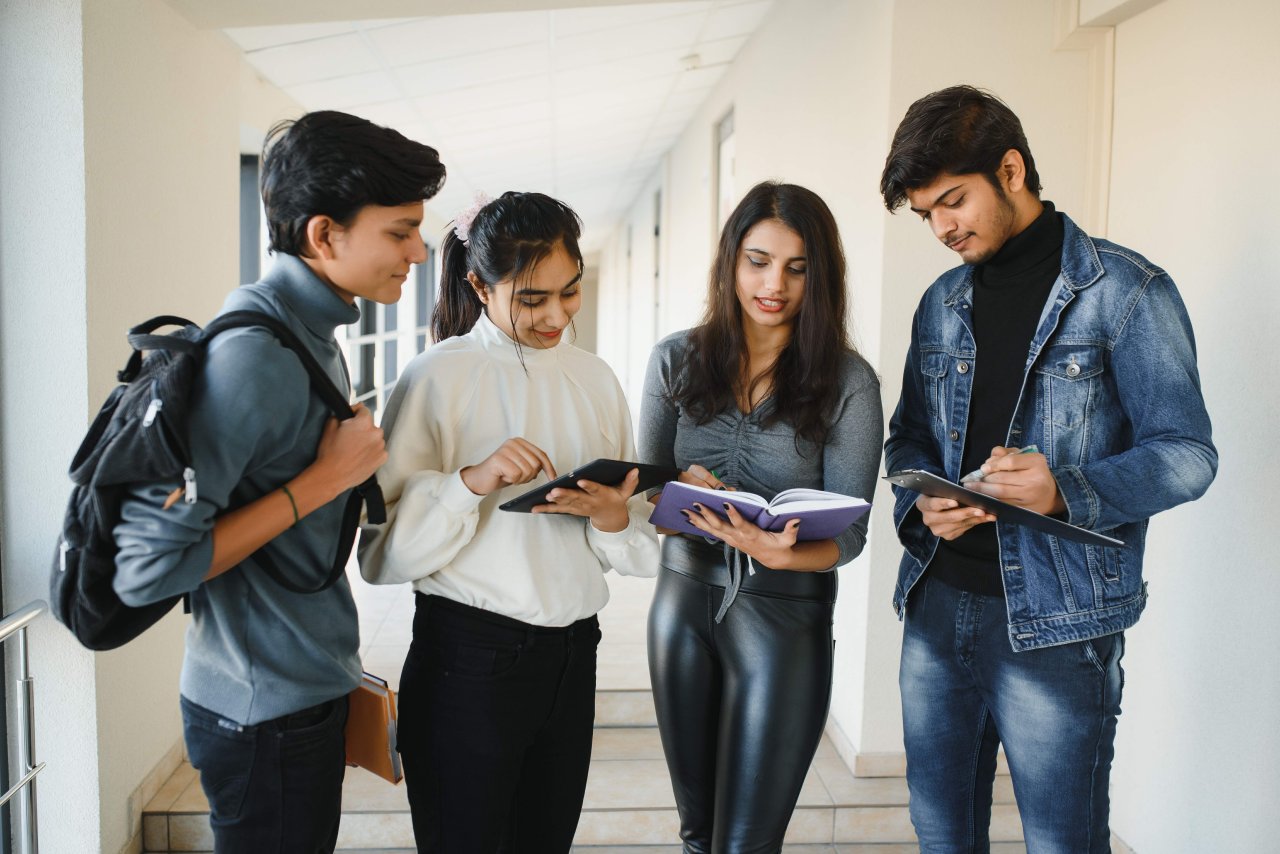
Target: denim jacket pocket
1069,373
933,367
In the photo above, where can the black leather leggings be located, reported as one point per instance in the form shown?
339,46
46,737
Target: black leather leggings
741,703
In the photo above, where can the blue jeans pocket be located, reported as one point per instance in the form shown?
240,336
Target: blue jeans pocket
223,752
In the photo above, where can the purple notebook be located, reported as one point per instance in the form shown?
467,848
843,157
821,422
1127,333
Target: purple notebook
822,515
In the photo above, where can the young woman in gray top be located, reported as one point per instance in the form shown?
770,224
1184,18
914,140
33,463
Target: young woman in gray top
766,394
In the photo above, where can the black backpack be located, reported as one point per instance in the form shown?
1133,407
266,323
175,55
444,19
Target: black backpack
140,436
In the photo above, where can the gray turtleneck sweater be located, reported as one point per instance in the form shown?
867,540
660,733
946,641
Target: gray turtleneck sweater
255,651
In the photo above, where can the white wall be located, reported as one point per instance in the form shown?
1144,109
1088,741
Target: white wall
43,367
162,210
1196,120
118,200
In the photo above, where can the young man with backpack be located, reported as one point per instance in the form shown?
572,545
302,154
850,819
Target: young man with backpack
268,668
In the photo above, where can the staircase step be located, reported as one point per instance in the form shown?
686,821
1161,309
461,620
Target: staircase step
625,708
629,802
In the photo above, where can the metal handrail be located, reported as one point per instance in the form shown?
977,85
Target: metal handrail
25,826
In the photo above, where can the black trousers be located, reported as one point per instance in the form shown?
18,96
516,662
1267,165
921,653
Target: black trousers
495,730
273,787
741,704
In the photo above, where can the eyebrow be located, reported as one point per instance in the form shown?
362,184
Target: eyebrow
770,254
536,292
412,223
941,197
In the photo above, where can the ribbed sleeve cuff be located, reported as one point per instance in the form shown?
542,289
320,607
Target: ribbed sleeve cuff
455,496
612,539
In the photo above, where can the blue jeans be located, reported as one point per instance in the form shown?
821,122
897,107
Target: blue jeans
965,691
274,786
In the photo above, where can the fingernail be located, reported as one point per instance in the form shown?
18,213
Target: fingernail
697,506
686,513
726,507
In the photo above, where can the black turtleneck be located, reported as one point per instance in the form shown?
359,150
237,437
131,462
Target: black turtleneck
1009,294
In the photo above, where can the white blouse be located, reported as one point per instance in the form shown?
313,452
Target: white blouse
453,406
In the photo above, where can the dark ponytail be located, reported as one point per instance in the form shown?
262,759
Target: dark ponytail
505,241
458,307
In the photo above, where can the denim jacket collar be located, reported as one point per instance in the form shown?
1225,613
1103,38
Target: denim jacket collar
1081,266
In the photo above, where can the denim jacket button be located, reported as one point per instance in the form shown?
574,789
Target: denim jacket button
963,367
954,435
1073,370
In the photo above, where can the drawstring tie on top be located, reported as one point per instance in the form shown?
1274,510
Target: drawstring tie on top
733,560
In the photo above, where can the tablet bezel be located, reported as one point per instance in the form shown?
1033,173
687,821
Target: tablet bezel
606,471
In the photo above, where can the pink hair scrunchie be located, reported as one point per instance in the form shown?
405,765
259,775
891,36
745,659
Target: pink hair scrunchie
462,222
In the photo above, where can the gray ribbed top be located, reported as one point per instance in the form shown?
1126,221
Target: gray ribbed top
767,460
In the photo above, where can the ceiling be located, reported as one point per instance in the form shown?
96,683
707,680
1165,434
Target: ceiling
580,103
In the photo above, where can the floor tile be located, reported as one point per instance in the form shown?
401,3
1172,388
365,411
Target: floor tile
155,833
622,666
171,789
630,827
810,824
634,784
873,824
363,791
191,800
190,833
375,830
625,708
626,743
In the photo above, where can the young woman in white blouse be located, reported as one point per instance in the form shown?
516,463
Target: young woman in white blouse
497,697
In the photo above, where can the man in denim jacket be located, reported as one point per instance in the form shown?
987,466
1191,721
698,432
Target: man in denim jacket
1079,354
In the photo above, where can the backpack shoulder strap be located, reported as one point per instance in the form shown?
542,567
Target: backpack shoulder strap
368,492
333,398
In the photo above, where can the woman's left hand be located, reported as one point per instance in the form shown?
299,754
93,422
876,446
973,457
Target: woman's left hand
605,506
772,550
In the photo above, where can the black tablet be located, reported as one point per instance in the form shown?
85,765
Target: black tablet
608,472
927,483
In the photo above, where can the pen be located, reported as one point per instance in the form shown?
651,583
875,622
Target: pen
717,477
977,474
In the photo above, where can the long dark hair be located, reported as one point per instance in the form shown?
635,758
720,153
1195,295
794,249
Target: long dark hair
806,375
506,240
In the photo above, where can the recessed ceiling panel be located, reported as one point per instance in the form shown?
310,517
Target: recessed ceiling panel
580,103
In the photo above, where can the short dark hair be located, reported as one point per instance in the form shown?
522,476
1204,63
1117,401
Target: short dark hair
505,240
333,164
960,130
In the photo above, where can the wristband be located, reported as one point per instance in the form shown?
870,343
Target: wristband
292,503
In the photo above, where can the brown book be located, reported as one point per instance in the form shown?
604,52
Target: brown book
371,729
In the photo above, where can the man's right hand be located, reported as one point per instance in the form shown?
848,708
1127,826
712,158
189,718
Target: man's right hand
948,518
351,450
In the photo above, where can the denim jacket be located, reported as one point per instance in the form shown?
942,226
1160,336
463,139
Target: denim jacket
1111,396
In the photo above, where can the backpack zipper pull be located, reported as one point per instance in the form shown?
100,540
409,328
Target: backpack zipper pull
63,548
189,484
153,409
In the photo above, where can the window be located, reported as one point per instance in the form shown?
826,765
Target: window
252,223
388,336
381,344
